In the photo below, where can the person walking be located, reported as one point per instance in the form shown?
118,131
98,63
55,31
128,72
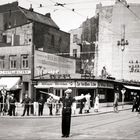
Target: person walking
67,101
50,104
134,106
96,104
12,106
41,103
137,103
116,98
26,101
87,104
82,104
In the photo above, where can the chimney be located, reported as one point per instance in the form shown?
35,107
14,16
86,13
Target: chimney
31,9
48,15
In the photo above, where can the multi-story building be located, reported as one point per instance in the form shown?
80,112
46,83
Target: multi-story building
114,32
118,46
82,44
23,32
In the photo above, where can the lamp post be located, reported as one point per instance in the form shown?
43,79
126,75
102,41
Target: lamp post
122,43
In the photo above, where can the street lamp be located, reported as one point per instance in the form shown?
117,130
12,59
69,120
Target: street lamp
122,43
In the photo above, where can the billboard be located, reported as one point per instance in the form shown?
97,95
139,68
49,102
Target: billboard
46,63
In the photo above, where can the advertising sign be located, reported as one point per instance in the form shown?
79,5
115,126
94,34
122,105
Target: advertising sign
52,64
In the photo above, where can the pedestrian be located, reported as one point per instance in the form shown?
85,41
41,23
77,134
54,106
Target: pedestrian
137,103
116,98
87,104
82,104
12,107
31,106
8,102
26,102
58,105
50,104
96,104
134,106
74,106
67,101
41,103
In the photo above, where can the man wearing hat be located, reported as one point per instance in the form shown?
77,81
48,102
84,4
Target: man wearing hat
67,101
12,107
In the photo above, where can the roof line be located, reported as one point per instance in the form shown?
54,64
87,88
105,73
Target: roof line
22,10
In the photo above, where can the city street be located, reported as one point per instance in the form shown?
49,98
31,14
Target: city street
123,126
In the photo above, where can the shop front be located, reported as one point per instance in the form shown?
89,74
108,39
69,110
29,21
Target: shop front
11,85
17,82
105,89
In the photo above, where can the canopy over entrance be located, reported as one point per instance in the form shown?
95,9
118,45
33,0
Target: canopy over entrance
9,83
132,87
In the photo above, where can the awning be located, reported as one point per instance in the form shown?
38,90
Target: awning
9,83
132,87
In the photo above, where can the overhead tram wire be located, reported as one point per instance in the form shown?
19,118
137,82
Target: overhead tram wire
63,5
73,10
87,2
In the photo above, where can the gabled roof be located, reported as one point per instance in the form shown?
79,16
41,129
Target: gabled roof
31,15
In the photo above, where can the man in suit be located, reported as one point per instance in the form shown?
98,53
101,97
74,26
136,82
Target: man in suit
12,107
26,101
41,106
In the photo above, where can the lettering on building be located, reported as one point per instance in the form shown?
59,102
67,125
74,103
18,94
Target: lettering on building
134,66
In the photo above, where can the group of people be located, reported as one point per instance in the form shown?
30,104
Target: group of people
86,105
67,102
8,104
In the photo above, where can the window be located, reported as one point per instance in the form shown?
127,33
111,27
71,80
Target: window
74,38
13,62
75,53
2,62
24,61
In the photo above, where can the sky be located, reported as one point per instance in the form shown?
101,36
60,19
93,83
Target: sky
70,14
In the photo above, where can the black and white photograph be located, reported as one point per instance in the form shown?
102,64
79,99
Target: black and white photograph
69,69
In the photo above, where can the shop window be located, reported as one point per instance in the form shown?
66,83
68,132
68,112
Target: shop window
2,62
75,53
13,62
24,61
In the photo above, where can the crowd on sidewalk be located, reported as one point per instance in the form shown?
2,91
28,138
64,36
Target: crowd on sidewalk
11,107
27,107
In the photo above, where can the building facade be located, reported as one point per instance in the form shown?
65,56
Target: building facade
22,33
118,45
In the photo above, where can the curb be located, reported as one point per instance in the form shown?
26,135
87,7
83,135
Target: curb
59,116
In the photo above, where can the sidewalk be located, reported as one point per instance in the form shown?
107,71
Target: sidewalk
102,110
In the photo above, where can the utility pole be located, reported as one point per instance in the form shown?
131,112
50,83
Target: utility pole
32,63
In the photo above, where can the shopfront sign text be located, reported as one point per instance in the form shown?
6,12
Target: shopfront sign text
86,84
15,72
105,85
